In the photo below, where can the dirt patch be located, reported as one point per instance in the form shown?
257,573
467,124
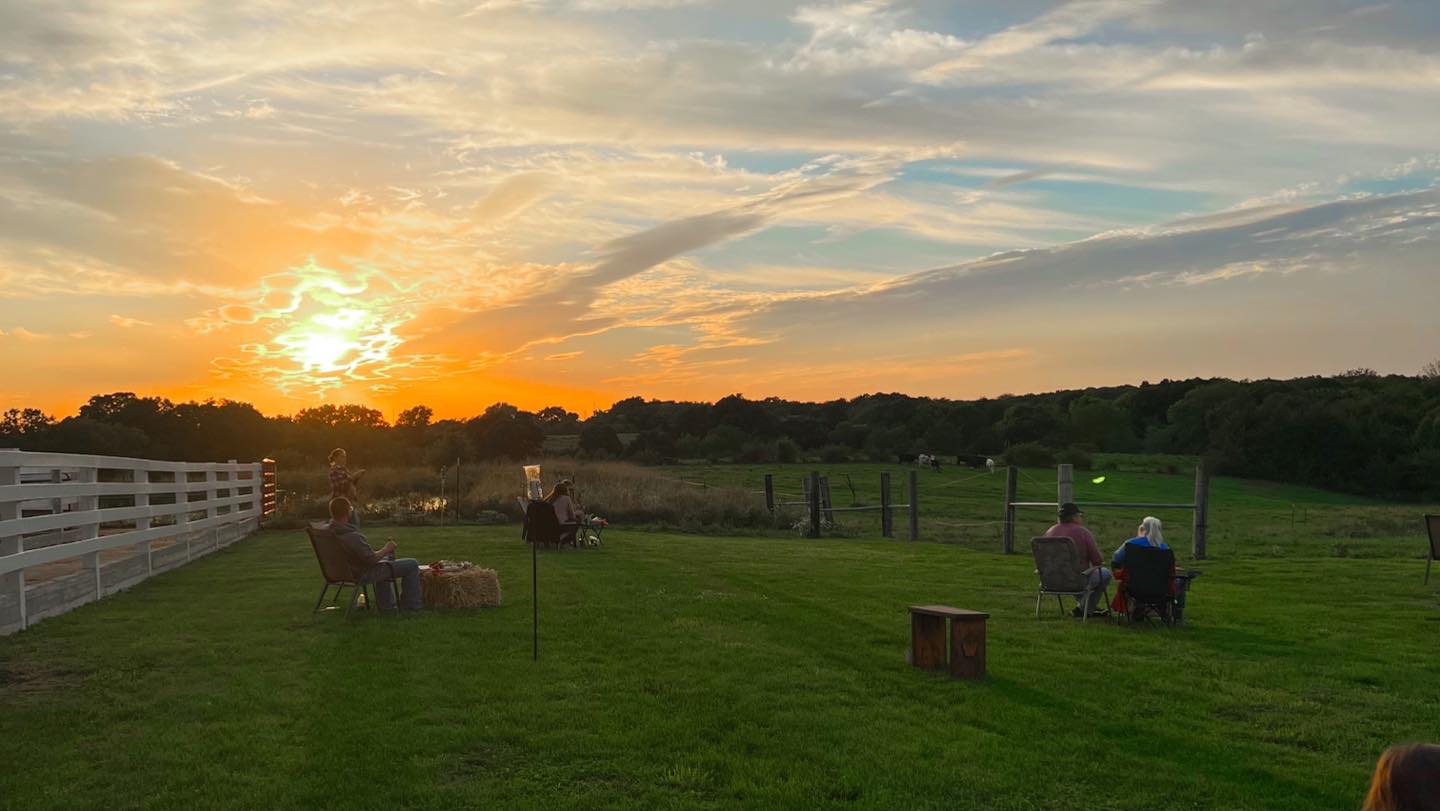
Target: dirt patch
18,678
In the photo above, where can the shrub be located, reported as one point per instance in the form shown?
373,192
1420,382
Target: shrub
834,454
1029,454
1079,457
787,450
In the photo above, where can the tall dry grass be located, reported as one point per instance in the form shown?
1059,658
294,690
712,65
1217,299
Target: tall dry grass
620,492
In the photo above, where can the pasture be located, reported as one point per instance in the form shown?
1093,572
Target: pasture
709,672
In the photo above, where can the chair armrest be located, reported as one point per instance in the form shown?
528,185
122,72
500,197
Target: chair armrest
1091,570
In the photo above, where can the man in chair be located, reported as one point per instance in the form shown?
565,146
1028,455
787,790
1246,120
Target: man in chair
1072,526
364,560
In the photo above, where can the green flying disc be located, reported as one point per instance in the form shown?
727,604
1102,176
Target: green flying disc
1098,480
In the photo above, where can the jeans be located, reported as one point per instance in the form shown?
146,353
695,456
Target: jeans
1099,579
408,570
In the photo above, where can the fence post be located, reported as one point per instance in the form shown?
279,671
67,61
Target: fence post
1202,509
825,503
182,501
914,506
812,497
887,521
142,477
1012,481
12,584
770,493
212,492
457,490
269,494
90,503
1064,483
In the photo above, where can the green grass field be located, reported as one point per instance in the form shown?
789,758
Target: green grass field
1247,518
685,671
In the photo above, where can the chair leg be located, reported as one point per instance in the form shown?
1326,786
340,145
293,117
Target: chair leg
1428,561
321,601
1038,597
1084,606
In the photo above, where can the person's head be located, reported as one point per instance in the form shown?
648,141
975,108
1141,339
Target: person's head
1407,778
562,488
1070,514
337,456
340,508
1150,528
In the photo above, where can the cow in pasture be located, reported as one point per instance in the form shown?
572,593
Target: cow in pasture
975,460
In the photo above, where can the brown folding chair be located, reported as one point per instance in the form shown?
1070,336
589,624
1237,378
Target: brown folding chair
1062,573
1432,526
335,568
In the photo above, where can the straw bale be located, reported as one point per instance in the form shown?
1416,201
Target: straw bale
472,587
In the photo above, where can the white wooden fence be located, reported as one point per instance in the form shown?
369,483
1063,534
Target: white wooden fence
76,528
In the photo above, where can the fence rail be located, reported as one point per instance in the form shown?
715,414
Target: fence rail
75,528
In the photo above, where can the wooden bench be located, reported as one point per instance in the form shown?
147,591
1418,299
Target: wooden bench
966,638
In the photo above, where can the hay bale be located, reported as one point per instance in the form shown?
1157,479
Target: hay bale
470,587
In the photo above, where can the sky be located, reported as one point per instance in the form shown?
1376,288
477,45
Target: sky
571,202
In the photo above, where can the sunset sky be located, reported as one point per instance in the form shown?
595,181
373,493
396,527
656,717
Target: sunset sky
574,201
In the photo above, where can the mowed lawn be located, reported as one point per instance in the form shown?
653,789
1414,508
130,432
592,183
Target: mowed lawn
684,671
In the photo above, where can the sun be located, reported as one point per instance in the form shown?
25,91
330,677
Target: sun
323,350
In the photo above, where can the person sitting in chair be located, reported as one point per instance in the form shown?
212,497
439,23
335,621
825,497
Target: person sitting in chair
365,561
565,511
1150,534
1072,526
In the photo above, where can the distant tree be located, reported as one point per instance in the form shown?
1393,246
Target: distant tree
1101,424
341,416
556,420
1026,423
1360,372
415,418
747,415
597,438
18,422
505,431
91,436
1431,370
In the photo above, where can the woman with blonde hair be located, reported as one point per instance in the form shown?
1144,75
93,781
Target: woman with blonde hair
1149,533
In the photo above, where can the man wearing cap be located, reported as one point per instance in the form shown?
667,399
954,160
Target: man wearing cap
1072,526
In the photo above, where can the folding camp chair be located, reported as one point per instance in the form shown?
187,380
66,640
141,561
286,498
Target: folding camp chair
335,568
541,525
1063,573
1432,526
1149,582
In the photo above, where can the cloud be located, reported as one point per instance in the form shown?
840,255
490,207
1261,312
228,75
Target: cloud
124,322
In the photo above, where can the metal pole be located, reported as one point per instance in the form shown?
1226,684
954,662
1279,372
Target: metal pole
1202,509
457,490
442,496
887,521
813,499
534,600
1012,481
914,506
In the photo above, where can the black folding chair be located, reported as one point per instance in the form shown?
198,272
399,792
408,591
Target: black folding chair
541,524
1149,577
335,568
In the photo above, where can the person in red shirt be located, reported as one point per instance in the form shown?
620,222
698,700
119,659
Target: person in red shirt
1072,526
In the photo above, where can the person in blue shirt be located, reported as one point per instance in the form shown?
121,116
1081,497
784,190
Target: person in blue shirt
1150,533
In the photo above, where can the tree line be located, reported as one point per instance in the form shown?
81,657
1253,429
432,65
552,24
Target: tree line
1359,432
